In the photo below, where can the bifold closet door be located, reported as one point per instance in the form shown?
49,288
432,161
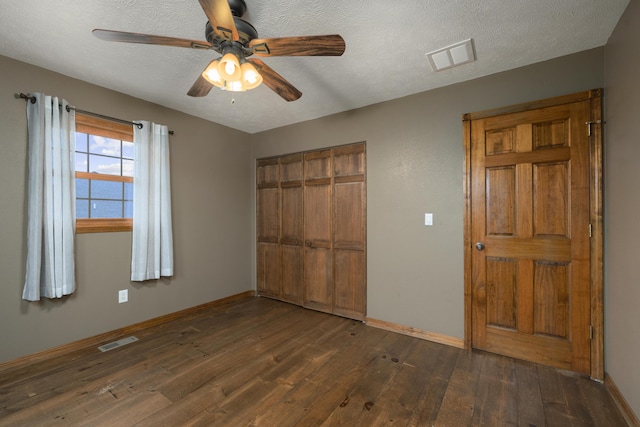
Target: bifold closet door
311,229
292,232
269,253
349,231
318,281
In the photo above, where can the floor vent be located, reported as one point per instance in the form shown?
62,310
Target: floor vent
116,344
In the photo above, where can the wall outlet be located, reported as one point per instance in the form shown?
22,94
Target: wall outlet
123,296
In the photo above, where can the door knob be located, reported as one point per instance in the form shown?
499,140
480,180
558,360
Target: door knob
479,246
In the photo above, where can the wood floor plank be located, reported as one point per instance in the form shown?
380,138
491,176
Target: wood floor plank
458,404
260,362
496,394
528,396
442,364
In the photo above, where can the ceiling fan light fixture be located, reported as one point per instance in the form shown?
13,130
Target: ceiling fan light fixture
250,76
212,75
229,67
234,86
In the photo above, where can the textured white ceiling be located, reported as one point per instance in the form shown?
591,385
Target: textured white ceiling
384,59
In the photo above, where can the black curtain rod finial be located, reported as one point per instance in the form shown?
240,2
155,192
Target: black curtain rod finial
25,97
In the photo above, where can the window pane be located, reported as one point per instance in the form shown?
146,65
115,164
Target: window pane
105,165
128,209
82,188
82,209
106,209
128,191
82,164
81,142
106,190
127,167
127,150
104,146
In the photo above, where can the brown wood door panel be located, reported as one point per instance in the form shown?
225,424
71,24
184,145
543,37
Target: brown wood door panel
350,285
292,216
318,284
267,172
349,226
317,215
318,257
292,289
268,215
529,205
291,168
349,220
269,263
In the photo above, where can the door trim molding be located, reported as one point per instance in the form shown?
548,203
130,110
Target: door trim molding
595,214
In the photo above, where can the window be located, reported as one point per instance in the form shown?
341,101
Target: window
104,175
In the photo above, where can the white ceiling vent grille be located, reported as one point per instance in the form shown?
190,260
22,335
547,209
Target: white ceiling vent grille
452,56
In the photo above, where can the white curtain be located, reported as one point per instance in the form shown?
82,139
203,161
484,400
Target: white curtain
152,248
51,199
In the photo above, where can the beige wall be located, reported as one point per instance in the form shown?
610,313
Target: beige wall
211,184
414,166
622,205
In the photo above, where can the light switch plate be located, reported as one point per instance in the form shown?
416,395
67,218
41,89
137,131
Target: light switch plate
123,296
428,219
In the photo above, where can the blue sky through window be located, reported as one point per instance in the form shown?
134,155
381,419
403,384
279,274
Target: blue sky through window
98,198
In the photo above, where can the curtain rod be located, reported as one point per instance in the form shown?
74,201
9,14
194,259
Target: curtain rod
89,113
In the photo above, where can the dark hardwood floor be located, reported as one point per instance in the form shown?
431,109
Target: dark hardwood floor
259,362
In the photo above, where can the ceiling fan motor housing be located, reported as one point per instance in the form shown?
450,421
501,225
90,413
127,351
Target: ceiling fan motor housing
238,7
246,31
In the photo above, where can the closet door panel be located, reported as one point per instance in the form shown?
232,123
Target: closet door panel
318,282
292,232
318,292
349,221
292,274
269,269
350,288
269,257
349,225
317,254
268,215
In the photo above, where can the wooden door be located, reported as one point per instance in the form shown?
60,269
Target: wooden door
269,255
318,279
349,231
530,216
292,232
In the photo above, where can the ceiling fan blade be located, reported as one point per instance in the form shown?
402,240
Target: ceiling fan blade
122,36
201,87
220,17
275,81
330,45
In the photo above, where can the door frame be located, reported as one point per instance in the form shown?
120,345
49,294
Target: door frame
595,215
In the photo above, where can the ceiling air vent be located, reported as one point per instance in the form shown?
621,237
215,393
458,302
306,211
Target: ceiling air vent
452,56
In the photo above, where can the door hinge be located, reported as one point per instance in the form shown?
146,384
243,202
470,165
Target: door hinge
590,231
590,332
597,122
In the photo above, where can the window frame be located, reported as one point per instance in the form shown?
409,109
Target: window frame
108,129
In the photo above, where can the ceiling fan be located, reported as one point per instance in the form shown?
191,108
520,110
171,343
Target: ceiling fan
237,40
